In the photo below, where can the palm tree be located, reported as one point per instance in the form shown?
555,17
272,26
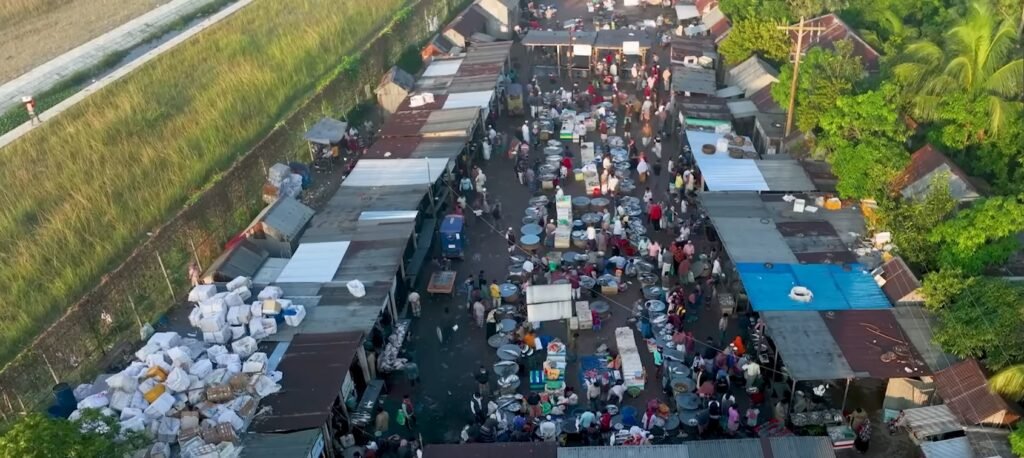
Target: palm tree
980,57
1009,382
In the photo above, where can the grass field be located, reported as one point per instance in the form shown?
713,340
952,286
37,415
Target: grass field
80,192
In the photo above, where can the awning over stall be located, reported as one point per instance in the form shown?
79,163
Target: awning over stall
326,131
807,347
395,172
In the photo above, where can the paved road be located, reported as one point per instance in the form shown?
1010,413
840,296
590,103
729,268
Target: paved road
82,57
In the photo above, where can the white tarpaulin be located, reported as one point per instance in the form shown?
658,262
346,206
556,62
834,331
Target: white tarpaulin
631,48
721,172
582,50
442,67
396,172
549,302
684,12
314,263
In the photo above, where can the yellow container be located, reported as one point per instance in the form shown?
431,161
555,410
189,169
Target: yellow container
157,373
154,393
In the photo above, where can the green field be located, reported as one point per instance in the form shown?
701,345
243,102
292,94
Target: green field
79,193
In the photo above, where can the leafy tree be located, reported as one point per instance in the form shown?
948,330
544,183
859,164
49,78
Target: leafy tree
755,36
981,236
811,8
825,76
942,287
980,58
768,10
1009,382
94,435
985,321
911,221
1017,440
863,139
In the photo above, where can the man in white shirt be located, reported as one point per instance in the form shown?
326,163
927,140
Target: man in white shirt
526,133
618,392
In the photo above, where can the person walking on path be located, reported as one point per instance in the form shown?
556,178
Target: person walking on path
409,411
381,422
510,237
863,439
479,312
469,285
483,381
414,304
723,325
495,291
655,214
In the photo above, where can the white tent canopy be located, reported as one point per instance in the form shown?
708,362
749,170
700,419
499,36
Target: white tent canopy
549,302
684,12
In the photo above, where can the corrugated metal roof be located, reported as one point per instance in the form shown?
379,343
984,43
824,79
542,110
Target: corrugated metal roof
869,338
304,402
471,20
785,175
801,447
901,285
726,448
326,131
832,287
752,240
931,421
683,47
684,12
641,451
752,75
703,107
442,67
482,53
965,389
494,450
989,442
242,259
958,447
693,80
457,122
295,444
806,346
740,108
327,319
721,172
558,38
396,172
314,263
286,218
339,219
918,324
925,164
837,30
399,77
613,39
734,204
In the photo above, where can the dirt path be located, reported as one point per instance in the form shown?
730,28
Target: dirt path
35,31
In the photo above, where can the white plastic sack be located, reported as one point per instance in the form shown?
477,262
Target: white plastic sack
123,382
243,347
136,423
96,401
168,429
146,350
158,360
256,310
277,173
256,363
180,357
213,322
263,386
81,391
269,326
138,401
166,340
159,450
270,292
161,406
120,400
201,368
239,282
129,412
202,292
213,306
232,299
240,315
146,385
228,359
177,381
222,336
194,316
256,330
237,332
215,351
356,288
244,293
229,416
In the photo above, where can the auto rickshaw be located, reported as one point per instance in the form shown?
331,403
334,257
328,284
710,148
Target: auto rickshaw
514,99
453,236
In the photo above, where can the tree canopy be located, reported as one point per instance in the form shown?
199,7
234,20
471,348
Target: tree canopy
985,321
825,76
94,435
980,236
755,36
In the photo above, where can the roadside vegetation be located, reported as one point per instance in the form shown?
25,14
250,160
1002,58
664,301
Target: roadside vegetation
81,191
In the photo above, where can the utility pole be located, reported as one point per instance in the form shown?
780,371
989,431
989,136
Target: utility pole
800,30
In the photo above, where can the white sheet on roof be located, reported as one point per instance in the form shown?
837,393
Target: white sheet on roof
442,67
396,172
480,99
314,263
397,215
684,12
721,172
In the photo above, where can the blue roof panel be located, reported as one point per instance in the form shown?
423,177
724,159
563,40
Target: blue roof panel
833,287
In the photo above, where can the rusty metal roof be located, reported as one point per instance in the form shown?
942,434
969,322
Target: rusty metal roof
874,344
405,123
457,122
837,30
437,104
415,147
915,180
683,47
314,366
484,53
494,450
964,388
471,21
901,285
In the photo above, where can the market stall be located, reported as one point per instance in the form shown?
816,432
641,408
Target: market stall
634,45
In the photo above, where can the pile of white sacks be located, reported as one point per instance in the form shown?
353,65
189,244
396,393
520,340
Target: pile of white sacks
199,394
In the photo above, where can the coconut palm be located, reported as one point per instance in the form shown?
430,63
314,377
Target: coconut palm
980,57
1009,382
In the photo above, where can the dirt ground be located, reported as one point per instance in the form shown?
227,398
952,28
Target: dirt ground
64,24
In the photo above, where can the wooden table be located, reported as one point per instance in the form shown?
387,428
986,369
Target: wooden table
442,282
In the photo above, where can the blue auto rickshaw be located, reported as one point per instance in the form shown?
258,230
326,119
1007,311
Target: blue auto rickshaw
453,236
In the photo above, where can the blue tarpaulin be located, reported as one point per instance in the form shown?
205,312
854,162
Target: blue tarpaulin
833,287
